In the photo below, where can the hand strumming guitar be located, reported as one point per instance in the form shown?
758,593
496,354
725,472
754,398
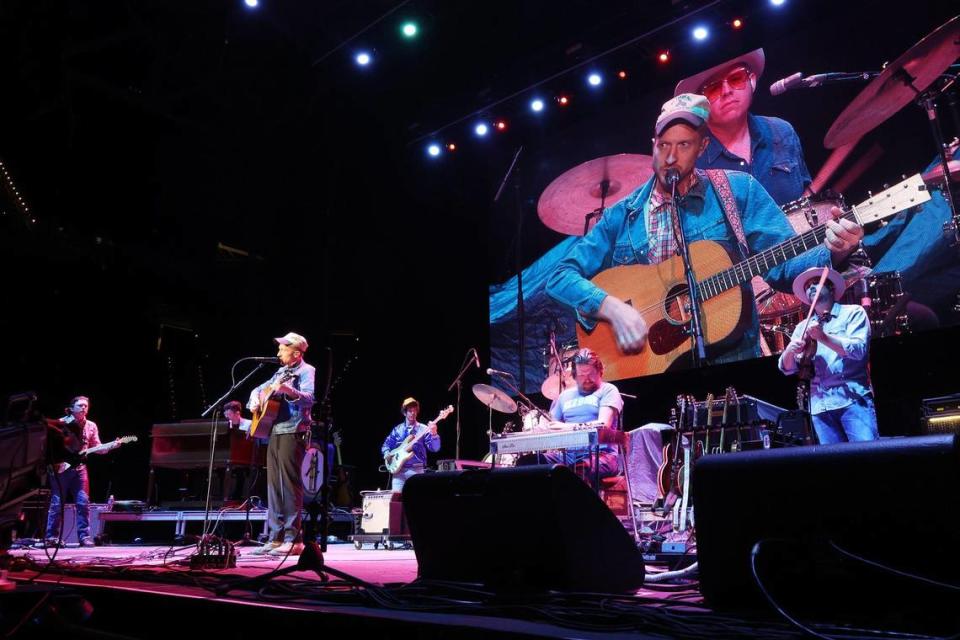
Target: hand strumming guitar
627,323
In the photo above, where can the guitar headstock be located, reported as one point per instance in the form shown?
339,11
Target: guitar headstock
126,439
444,413
888,202
709,403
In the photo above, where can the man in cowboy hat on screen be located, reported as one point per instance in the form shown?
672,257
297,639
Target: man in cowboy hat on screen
841,398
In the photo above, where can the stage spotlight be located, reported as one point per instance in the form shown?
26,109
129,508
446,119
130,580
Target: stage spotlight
664,57
536,105
500,125
778,3
563,101
622,74
481,129
451,147
409,29
594,79
363,58
251,3
433,149
700,33
737,23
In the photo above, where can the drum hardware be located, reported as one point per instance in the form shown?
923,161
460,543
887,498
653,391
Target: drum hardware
916,76
559,373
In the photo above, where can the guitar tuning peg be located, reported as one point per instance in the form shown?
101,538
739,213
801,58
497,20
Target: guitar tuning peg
886,185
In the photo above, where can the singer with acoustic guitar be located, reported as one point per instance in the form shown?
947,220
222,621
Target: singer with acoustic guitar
405,447
282,405
734,230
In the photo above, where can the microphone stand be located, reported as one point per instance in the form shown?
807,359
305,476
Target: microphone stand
458,381
696,328
525,398
213,447
521,335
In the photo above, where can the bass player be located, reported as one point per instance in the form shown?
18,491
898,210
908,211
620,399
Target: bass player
398,435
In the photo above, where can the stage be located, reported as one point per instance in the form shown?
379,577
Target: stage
119,580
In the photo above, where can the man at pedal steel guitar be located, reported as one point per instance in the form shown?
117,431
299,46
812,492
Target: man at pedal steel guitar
728,207
591,400
411,427
79,433
293,385
841,399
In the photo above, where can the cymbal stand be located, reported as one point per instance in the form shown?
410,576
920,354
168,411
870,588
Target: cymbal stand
598,212
458,381
927,101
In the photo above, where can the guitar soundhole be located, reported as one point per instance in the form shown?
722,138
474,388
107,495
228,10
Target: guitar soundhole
677,307
671,332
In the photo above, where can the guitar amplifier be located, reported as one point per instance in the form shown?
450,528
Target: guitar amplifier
383,513
940,415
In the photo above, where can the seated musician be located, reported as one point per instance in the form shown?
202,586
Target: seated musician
591,400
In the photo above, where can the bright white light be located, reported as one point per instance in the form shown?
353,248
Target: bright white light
777,3
409,29
251,3
537,105
363,58
481,129
433,149
595,79
701,33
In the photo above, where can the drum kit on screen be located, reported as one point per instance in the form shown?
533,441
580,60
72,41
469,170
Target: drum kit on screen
575,201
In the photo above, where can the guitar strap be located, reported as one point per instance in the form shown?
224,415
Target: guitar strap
721,184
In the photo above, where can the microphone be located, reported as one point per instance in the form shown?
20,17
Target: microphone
672,176
495,372
264,359
476,358
797,81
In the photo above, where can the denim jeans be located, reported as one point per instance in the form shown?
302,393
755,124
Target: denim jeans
400,477
63,486
852,423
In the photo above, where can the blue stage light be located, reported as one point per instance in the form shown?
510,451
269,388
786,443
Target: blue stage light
701,33
363,58
481,129
536,105
595,79
433,149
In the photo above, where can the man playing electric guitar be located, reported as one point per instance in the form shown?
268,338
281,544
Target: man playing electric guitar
428,441
79,434
291,389
729,208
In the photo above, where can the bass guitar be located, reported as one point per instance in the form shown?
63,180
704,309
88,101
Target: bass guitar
107,446
395,458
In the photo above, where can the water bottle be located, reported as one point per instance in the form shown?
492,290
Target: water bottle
110,503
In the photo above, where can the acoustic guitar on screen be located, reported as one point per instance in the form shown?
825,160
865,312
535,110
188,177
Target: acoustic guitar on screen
659,292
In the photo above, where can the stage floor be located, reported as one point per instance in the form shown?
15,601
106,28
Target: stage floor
136,577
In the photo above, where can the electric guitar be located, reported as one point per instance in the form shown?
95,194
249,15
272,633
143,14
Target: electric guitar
706,444
395,458
268,406
106,446
659,292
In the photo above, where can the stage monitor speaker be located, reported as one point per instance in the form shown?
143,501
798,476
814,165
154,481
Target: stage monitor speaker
519,529
895,501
